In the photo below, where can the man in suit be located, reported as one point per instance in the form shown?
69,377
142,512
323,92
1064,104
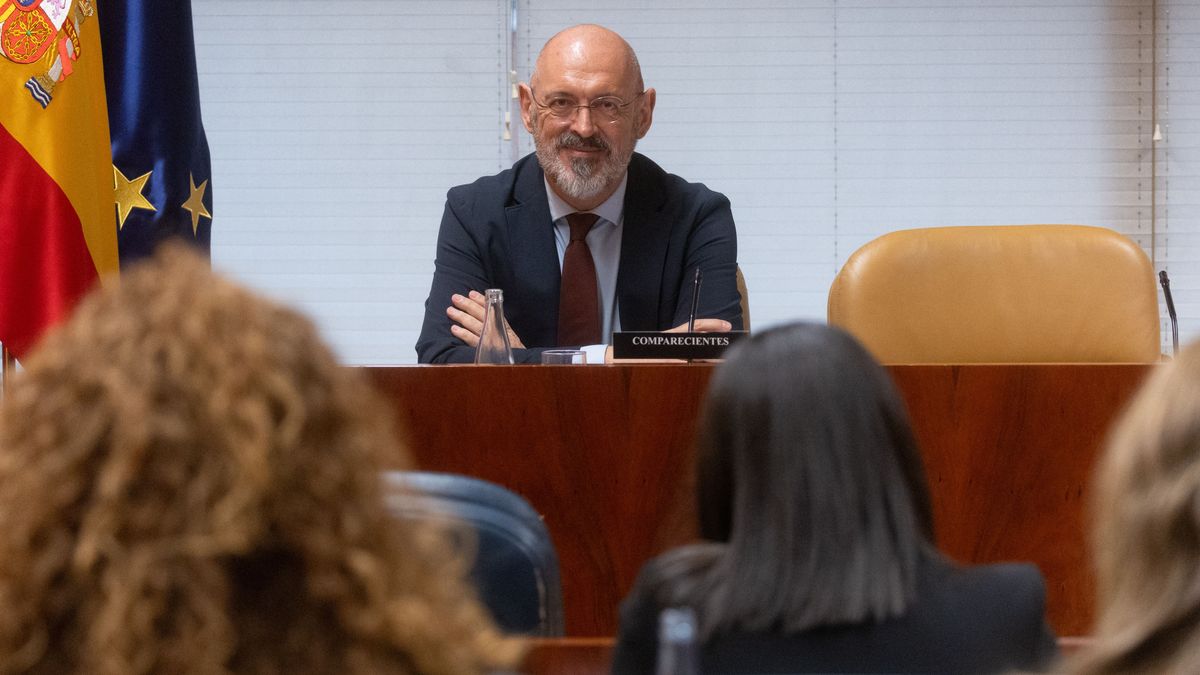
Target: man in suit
585,237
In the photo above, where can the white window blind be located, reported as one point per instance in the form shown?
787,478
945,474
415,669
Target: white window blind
980,113
335,129
1177,244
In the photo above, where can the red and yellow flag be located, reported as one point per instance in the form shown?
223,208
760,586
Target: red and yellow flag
58,235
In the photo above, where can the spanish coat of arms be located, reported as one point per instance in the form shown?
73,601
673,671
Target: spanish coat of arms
45,32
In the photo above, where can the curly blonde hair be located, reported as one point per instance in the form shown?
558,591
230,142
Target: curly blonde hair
1146,531
189,482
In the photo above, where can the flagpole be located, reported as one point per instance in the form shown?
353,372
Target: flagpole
7,367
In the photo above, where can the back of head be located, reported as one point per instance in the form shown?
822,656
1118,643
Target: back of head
1147,530
189,483
809,471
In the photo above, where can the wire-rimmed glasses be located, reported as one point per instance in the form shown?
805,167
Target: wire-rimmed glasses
607,109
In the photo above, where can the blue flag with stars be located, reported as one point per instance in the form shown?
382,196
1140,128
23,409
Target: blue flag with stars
161,168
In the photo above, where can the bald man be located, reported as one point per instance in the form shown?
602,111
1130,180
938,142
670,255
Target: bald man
643,231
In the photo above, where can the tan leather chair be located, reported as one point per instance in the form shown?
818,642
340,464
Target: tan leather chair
745,293
1008,294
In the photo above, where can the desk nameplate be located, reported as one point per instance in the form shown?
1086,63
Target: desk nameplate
658,345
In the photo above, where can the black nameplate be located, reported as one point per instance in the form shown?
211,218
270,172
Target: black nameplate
656,345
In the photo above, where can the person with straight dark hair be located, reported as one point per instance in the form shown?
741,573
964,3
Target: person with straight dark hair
818,553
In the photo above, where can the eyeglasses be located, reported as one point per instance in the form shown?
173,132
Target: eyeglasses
604,109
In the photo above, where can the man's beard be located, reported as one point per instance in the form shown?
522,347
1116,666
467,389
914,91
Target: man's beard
584,179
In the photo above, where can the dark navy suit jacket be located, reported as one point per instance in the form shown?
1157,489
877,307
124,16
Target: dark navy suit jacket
497,233
985,619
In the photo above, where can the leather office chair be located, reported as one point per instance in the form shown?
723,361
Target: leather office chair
745,293
1007,294
515,568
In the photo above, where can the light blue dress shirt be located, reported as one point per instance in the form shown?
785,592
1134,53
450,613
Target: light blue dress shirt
604,241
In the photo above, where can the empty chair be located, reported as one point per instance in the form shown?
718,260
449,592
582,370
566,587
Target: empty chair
515,567
1016,294
745,295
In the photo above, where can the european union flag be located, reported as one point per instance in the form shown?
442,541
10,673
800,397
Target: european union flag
161,167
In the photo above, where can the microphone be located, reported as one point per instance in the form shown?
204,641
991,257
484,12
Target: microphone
1166,286
695,301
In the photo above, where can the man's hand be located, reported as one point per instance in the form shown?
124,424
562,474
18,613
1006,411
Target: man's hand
467,314
704,326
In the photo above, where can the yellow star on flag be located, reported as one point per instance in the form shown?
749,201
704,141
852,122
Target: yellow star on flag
128,194
195,203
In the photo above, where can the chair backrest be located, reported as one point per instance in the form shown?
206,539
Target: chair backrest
1004,294
745,293
515,567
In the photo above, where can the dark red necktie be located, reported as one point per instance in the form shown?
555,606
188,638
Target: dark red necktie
578,299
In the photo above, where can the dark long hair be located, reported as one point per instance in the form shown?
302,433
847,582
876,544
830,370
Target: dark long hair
810,487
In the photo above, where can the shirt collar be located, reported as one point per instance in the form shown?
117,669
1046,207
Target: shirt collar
610,210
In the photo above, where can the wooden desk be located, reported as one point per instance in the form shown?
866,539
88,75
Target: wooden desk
604,452
569,656
593,656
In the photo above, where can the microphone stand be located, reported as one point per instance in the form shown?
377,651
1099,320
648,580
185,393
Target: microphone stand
1165,282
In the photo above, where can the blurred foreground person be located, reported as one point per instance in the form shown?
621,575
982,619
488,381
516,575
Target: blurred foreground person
819,554
1146,531
189,483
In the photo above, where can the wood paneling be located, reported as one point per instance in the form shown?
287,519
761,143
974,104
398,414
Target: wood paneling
605,452
569,656
1008,453
593,656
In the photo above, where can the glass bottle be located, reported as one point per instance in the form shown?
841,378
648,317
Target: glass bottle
678,652
493,338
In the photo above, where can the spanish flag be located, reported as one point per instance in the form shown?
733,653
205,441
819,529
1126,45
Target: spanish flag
57,230
93,171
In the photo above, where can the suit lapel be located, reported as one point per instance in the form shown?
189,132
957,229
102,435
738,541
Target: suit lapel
533,257
643,249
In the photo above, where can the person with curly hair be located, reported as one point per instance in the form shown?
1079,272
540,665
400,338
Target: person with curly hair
1146,531
189,483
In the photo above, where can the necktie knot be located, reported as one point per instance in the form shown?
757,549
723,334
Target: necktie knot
581,223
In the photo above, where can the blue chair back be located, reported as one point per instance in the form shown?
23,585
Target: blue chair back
515,568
